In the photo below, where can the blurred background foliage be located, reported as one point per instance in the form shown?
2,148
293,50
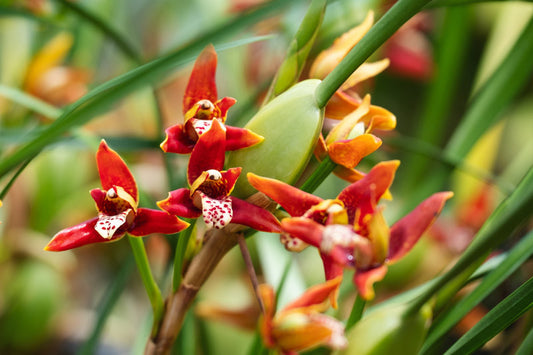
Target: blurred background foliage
50,303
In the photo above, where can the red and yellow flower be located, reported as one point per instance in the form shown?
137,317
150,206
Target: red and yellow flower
118,211
301,325
210,189
200,106
350,230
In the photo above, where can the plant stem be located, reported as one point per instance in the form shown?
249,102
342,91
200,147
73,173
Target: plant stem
510,213
398,14
250,267
319,175
181,248
154,294
357,311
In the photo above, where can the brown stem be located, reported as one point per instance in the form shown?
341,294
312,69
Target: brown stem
218,242
250,267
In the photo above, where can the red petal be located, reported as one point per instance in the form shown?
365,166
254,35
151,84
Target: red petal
349,153
208,153
317,295
177,141
305,229
231,177
359,195
224,105
179,203
77,236
253,216
98,196
364,280
331,268
148,221
406,232
202,83
295,201
237,138
113,171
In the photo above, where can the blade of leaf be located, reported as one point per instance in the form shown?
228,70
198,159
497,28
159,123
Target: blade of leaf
520,253
101,98
498,318
29,102
291,68
527,345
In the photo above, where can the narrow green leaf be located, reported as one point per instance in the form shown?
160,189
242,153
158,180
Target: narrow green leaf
509,214
498,318
291,68
104,96
30,102
441,3
520,253
527,345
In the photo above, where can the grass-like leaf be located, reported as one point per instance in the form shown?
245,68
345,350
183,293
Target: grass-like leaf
30,102
514,259
498,318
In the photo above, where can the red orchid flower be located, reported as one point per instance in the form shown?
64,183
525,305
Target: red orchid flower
200,107
301,325
210,189
350,231
118,213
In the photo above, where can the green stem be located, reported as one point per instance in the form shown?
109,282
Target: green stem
398,14
357,311
510,213
14,177
319,175
179,256
154,294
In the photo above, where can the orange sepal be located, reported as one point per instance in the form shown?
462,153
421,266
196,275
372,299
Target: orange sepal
349,153
202,84
319,297
364,280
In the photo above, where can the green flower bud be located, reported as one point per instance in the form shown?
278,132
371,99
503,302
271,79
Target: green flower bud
290,124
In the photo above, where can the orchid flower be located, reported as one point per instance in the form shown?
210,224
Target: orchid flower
118,211
210,189
200,107
301,325
350,231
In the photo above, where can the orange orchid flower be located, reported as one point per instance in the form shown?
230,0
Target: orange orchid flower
350,231
301,325
118,212
210,189
200,107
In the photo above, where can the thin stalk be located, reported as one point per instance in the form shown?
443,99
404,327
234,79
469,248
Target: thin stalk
508,216
357,311
393,19
31,102
179,255
319,175
153,291
283,279
250,267
14,177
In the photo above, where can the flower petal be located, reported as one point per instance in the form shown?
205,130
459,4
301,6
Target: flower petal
295,201
266,294
318,298
208,153
332,269
349,153
253,216
364,72
148,221
202,84
347,124
230,177
179,203
238,138
357,196
177,141
405,233
328,59
224,105
77,236
106,225
217,212
114,171
365,279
